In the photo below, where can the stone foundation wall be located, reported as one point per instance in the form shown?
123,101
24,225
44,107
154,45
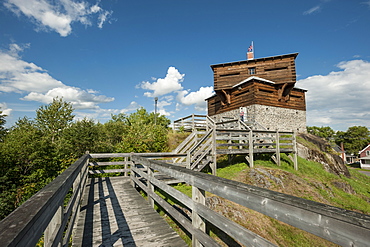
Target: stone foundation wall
272,118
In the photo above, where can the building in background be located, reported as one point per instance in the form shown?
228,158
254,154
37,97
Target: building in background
365,157
261,90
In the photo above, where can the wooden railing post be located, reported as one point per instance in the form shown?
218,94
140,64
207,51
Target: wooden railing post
278,148
214,156
188,160
132,173
295,151
198,196
193,122
250,145
126,166
150,185
53,227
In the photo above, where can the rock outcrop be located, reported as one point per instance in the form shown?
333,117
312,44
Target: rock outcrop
323,153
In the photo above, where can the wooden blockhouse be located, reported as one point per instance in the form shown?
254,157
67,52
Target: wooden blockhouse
264,88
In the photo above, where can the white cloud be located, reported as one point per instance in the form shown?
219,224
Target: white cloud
169,84
5,110
341,98
164,112
312,10
19,76
132,107
58,15
172,84
196,98
79,98
367,3
103,16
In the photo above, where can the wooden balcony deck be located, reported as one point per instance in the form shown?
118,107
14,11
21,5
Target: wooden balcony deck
113,213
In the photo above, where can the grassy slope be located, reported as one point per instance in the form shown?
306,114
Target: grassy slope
311,182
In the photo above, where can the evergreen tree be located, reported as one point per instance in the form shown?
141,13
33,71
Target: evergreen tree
2,126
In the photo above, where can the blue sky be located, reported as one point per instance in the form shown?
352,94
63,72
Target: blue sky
113,56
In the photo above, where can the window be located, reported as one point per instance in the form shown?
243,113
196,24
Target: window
367,152
232,74
252,71
274,69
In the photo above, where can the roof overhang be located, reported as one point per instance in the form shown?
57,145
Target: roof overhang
256,78
252,61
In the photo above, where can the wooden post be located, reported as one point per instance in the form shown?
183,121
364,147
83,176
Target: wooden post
188,164
132,173
250,157
126,166
278,148
198,196
229,141
150,185
193,122
53,228
295,151
214,159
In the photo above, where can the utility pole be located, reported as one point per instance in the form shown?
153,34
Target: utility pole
155,110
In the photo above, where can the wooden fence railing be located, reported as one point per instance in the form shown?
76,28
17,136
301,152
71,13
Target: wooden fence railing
50,214
190,123
250,142
340,226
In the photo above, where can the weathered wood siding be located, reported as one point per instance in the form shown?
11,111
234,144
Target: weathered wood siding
257,92
279,69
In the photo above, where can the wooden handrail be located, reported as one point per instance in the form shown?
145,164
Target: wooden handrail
340,226
45,211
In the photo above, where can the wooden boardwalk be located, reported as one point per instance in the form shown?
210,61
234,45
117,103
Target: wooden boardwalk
113,213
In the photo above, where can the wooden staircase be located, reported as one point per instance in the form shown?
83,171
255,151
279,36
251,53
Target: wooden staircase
232,137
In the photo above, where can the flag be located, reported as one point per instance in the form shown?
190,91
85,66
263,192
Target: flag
250,49
250,52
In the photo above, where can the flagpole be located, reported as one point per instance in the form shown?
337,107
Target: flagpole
250,53
253,49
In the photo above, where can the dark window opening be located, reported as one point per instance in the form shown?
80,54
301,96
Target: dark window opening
295,96
274,69
265,91
238,73
238,94
252,71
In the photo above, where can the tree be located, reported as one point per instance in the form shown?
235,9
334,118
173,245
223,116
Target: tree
26,164
113,131
31,154
79,137
354,139
2,126
54,118
142,132
324,132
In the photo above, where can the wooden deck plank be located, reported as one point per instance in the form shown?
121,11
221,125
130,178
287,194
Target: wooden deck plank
113,213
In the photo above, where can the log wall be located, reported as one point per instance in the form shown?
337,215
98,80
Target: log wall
279,69
260,93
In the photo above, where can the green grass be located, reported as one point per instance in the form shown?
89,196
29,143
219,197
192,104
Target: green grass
315,172
312,173
231,171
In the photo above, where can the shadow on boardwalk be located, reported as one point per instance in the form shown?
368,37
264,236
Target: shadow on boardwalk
113,213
